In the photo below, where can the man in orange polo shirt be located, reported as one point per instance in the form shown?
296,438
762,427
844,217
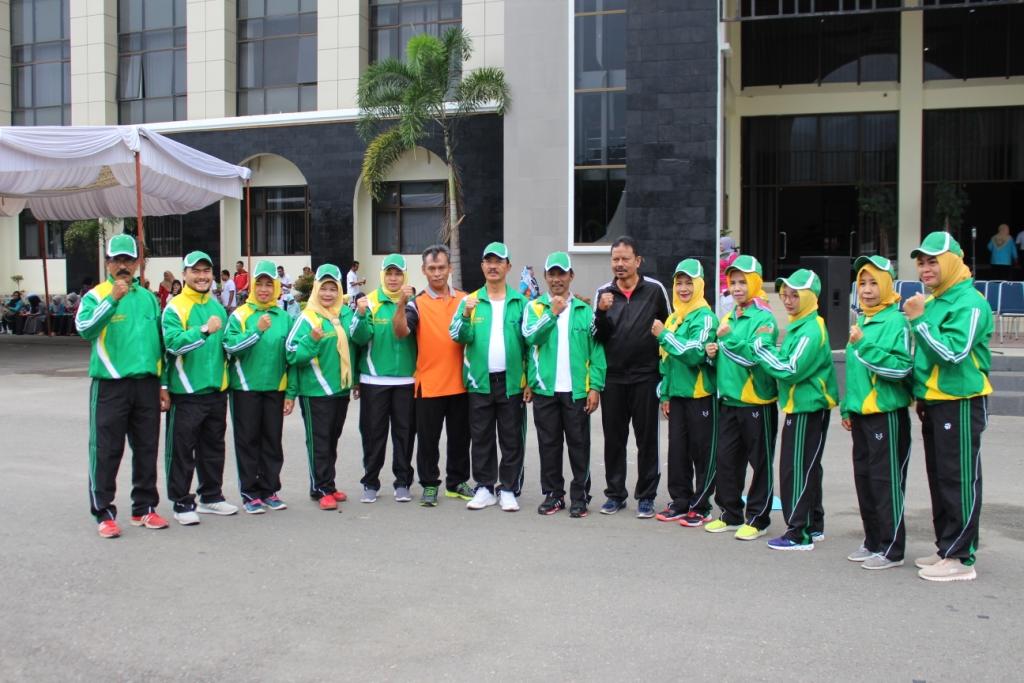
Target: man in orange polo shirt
439,392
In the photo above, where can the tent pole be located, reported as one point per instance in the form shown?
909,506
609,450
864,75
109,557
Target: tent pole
138,218
46,277
248,232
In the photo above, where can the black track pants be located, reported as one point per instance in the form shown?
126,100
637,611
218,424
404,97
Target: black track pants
323,418
881,452
505,415
120,408
257,418
384,405
195,443
800,472
692,446
746,436
453,413
620,405
559,419
952,454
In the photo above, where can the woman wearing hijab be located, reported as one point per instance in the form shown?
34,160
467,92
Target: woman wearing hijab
1003,253
261,395
727,253
386,368
875,409
687,393
748,415
321,350
807,393
951,328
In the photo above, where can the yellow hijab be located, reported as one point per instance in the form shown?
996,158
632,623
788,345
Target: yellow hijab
392,295
334,315
952,270
254,302
755,290
808,304
885,289
680,309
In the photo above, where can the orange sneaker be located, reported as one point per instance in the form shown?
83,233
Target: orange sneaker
109,529
340,496
150,520
328,502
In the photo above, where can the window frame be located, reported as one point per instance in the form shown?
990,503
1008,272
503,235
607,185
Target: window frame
442,25
125,53
378,207
256,208
17,63
27,222
298,36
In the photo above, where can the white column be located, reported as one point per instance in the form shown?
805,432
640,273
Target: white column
211,55
6,95
343,51
910,154
93,62
484,21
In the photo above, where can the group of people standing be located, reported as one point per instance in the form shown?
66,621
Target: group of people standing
469,364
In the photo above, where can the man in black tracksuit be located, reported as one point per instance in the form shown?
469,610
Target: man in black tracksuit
625,310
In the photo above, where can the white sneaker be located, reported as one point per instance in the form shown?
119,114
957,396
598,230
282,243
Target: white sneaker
482,499
509,502
186,518
219,508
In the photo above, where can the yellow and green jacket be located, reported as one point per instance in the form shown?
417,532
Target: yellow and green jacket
587,365
952,357
195,361
802,366
125,334
685,370
382,354
879,365
257,360
475,334
317,363
741,380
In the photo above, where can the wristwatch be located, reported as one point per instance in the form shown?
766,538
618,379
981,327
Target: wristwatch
205,329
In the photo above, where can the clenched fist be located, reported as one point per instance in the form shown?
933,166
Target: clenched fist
657,327
914,306
855,334
263,324
317,333
558,304
213,324
711,349
406,294
361,305
120,289
606,301
468,305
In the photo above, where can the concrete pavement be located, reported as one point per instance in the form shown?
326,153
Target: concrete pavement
392,591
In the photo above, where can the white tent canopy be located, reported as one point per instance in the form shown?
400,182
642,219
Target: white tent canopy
73,173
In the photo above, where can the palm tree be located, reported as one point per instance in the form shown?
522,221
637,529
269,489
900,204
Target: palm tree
404,103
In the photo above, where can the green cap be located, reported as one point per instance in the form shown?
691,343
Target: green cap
122,245
879,262
691,267
328,270
558,259
745,263
496,249
268,268
394,261
938,243
801,279
194,257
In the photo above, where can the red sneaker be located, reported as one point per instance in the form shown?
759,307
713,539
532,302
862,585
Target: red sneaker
693,518
328,503
149,520
340,496
109,529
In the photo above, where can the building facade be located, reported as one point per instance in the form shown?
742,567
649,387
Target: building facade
799,127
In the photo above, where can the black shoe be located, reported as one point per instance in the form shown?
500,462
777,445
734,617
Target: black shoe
551,505
578,509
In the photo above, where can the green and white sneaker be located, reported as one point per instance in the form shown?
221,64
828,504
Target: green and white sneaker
463,491
429,497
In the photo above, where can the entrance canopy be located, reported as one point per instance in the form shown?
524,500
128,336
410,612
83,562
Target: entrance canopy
72,173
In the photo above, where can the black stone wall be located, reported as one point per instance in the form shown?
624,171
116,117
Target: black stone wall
329,155
671,94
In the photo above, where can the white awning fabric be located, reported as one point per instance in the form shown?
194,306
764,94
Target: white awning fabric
81,172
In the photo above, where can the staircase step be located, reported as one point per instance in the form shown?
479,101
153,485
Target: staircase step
1006,363
1007,380
1006,403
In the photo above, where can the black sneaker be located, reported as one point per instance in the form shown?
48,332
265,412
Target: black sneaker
670,514
578,509
551,505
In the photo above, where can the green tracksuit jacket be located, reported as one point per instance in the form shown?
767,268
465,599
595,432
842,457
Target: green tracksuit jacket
587,364
383,354
125,334
317,364
474,333
685,371
952,357
195,361
741,380
257,360
879,365
803,366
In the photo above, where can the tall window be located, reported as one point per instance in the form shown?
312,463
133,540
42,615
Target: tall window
40,61
151,60
394,22
276,56
599,119
53,235
280,221
973,43
163,235
408,217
